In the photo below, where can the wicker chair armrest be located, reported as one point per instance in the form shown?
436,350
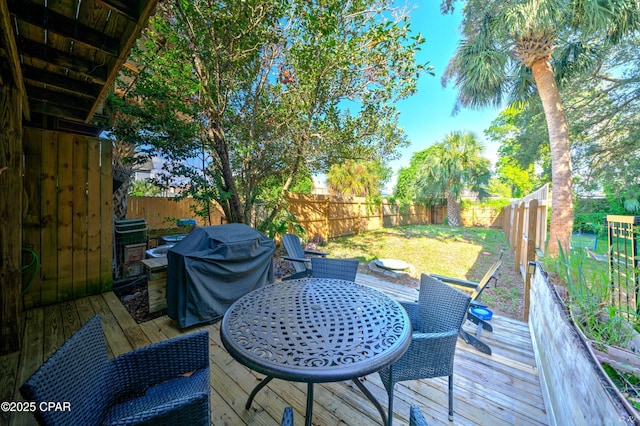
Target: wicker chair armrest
161,361
470,285
316,252
297,259
415,417
434,337
413,311
429,355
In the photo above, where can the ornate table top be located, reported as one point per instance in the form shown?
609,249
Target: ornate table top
316,330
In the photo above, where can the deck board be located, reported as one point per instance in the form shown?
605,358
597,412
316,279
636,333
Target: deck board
501,389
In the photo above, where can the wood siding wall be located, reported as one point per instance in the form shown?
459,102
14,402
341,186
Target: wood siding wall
67,215
10,218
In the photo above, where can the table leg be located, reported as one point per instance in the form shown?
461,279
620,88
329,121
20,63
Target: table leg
373,399
309,414
255,390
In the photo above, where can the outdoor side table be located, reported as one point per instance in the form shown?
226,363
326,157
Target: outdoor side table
316,330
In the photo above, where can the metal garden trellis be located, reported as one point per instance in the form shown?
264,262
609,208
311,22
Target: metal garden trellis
624,275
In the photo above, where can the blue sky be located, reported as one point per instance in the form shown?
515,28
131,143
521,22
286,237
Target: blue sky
427,116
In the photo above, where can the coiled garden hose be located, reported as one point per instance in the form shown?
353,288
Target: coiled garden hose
34,262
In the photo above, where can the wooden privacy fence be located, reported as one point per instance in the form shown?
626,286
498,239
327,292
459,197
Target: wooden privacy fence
161,213
525,226
67,215
328,216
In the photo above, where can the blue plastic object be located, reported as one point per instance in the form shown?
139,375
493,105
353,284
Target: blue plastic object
184,223
482,313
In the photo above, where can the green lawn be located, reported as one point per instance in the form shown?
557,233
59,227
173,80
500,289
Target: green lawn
437,249
458,252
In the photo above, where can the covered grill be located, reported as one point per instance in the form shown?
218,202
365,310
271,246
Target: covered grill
213,267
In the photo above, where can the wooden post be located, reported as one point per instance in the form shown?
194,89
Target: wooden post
506,220
514,228
517,241
327,211
532,228
10,219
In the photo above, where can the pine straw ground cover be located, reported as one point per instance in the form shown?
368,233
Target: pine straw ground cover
456,252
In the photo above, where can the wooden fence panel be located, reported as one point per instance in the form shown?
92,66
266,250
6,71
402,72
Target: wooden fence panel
330,217
162,213
68,222
106,216
311,212
484,217
526,228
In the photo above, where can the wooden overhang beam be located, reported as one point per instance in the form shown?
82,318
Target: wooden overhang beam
63,59
45,18
128,9
83,89
147,8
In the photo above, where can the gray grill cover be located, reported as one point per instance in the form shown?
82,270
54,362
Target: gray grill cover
212,268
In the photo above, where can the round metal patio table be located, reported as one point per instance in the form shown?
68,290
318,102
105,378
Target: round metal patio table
316,330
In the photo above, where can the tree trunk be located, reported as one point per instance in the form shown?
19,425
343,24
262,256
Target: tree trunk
234,209
453,211
561,173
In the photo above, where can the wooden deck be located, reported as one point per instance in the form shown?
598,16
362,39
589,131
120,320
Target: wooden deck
502,389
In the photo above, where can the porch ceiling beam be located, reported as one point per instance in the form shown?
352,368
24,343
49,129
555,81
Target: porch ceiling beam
147,8
129,9
8,40
60,99
43,17
78,88
47,108
97,73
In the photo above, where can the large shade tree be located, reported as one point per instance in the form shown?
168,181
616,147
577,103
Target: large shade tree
246,98
511,50
447,168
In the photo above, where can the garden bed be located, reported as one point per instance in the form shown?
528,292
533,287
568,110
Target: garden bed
576,388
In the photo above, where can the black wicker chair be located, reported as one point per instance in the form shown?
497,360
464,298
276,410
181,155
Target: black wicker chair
342,269
476,289
166,383
298,256
436,320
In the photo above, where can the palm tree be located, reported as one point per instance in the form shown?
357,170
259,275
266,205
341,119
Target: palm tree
447,168
510,49
357,178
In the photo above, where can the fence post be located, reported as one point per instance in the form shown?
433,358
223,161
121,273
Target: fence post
531,253
327,209
506,224
514,227
519,228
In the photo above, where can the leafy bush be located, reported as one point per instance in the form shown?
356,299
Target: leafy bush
590,223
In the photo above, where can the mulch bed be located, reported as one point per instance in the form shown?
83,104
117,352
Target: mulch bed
133,296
